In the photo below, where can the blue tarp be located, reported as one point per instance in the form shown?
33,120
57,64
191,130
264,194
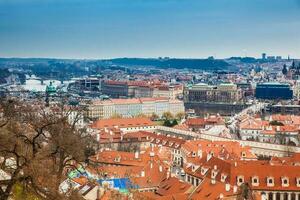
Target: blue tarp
117,183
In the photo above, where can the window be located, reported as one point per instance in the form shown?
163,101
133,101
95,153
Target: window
193,168
243,154
203,170
223,178
240,180
298,182
255,181
285,181
270,181
197,182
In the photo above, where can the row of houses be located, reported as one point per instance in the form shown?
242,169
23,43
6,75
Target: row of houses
278,129
134,161
139,89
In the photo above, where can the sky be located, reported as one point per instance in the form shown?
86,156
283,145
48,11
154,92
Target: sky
149,28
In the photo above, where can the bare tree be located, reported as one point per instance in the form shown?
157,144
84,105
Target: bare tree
38,145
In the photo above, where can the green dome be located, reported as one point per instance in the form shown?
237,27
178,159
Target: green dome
50,89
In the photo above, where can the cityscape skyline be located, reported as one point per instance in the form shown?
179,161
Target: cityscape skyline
150,99
123,28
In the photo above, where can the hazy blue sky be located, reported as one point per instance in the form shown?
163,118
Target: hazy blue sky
148,28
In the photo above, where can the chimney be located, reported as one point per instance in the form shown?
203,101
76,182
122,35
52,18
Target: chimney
143,173
221,196
98,192
152,154
213,181
98,137
278,128
136,155
227,187
208,157
215,167
151,165
200,153
235,189
160,168
235,164
168,173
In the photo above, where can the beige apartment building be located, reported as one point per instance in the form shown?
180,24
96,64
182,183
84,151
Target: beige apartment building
223,93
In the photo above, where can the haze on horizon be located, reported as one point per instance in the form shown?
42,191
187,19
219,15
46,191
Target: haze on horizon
149,28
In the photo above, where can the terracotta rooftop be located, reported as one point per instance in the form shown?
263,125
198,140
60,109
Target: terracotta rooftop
122,123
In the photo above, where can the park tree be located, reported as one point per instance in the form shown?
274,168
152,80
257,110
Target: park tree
154,117
180,115
38,146
167,115
245,192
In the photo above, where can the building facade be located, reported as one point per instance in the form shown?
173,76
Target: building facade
133,107
273,91
223,93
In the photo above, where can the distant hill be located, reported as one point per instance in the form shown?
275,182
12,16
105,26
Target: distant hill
204,64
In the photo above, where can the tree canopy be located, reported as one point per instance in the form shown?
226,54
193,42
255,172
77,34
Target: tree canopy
38,145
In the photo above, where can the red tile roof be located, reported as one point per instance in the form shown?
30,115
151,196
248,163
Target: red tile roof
122,123
173,185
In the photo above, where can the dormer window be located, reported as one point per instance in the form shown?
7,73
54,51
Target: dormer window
240,180
243,154
193,168
255,181
223,178
117,159
203,170
285,182
270,181
194,154
214,174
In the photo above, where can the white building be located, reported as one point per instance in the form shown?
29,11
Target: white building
297,89
133,107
